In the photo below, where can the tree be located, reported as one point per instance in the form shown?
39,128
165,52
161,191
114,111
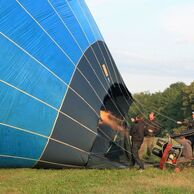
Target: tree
173,104
188,100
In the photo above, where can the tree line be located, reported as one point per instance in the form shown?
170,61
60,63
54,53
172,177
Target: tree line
175,103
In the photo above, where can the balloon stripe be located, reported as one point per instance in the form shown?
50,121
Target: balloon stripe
24,31
23,71
20,143
43,14
5,128
56,76
15,161
24,111
5,101
91,20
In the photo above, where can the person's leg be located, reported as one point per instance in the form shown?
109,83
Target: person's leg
150,143
143,148
135,148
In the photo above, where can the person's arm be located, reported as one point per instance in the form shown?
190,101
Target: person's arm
179,122
185,123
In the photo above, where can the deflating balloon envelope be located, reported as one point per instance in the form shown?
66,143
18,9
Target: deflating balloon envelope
56,77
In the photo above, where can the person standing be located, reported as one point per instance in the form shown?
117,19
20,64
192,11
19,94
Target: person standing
191,123
152,129
138,132
189,126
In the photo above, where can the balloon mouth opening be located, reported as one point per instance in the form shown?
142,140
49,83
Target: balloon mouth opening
112,126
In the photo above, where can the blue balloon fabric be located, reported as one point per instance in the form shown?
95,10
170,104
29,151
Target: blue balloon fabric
51,84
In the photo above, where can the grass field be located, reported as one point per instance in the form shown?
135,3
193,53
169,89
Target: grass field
152,180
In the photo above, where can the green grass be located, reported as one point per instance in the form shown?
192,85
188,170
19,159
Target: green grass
152,180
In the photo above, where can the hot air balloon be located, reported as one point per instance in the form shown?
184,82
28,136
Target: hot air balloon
56,77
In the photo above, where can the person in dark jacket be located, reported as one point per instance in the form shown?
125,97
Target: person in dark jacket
138,132
189,125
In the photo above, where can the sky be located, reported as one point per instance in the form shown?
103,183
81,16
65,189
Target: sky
151,41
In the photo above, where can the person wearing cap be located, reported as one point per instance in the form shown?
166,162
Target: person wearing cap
193,119
189,125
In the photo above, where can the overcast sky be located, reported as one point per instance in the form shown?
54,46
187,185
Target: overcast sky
152,41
